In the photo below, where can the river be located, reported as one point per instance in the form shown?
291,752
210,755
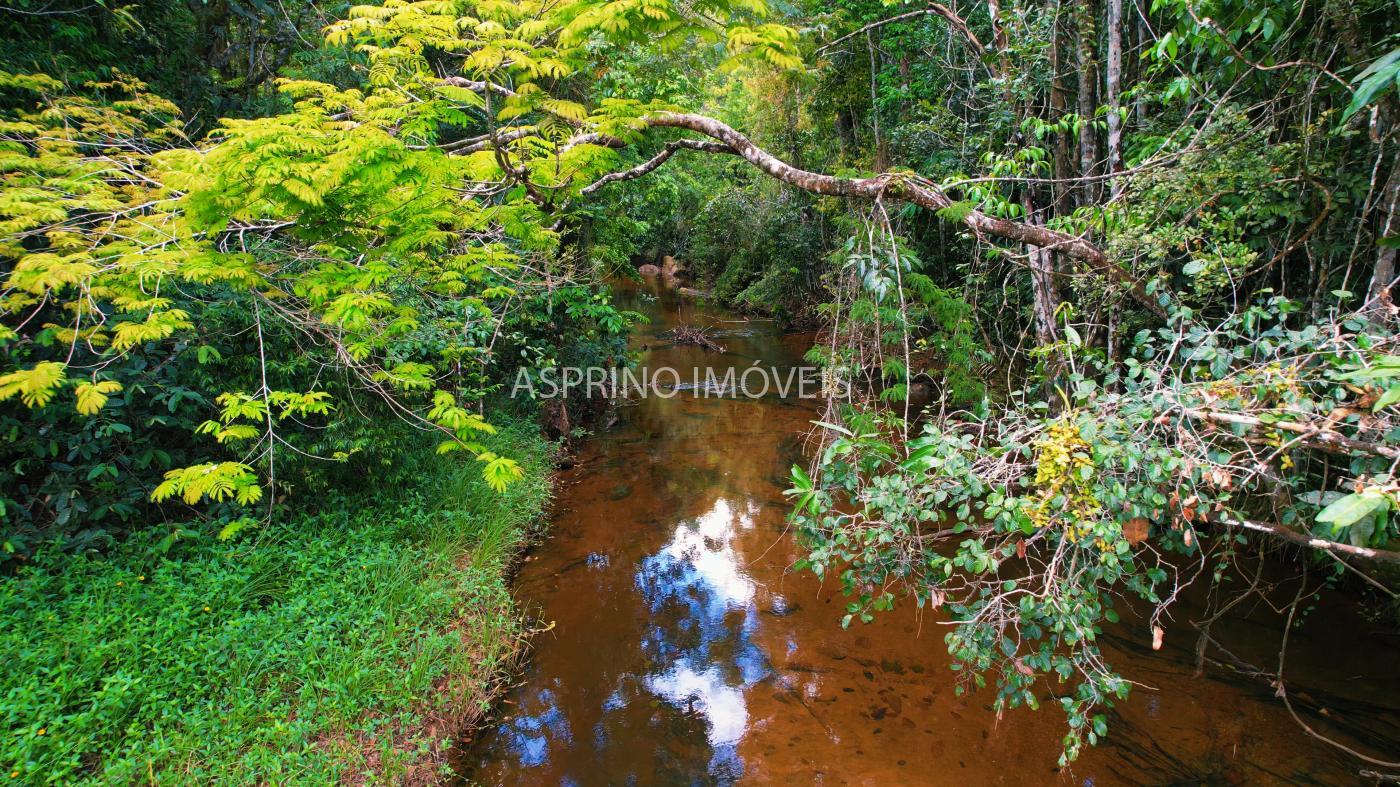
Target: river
682,649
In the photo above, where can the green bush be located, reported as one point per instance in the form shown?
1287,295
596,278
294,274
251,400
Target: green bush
301,654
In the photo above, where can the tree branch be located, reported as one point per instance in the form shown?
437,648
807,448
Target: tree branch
656,161
1321,438
1305,540
908,188
937,9
905,188
479,87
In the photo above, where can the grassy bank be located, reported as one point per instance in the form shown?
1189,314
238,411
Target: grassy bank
345,645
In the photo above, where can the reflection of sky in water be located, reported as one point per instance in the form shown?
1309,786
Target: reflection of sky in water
698,650
530,734
709,659
700,557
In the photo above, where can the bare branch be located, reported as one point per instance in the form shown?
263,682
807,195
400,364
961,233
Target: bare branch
936,9
1302,539
656,161
1319,437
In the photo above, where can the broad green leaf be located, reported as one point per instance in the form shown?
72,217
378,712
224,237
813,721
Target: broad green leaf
1348,510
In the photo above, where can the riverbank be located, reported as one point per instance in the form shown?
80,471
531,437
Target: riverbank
351,645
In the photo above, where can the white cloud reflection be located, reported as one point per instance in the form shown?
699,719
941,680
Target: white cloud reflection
714,576
707,545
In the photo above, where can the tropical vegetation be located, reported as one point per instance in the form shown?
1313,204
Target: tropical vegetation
254,254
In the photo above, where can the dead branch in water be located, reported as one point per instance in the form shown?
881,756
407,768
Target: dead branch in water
694,334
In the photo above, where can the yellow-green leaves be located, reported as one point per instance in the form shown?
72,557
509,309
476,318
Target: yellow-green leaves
250,407
35,386
92,397
38,83
407,376
38,385
256,410
156,326
447,413
235,527
49,272
355,311
570,110
771,43
225,434
499,471
460,95
1350,509
218,482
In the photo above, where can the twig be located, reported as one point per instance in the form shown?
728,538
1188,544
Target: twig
1283,691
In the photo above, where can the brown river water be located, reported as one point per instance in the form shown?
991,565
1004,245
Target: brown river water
682,648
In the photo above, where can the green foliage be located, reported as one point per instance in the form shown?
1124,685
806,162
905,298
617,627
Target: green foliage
335,251
1027,526
204,337
893,326
286,244
757,248
1213,217
215,58
313,652
1379,79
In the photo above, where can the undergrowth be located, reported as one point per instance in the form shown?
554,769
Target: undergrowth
328,647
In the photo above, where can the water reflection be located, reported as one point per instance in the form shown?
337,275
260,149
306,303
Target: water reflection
699,657
703,602
530,734
659,645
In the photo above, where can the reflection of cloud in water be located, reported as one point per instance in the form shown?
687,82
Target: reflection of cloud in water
706,547
705,692
706,653
700,657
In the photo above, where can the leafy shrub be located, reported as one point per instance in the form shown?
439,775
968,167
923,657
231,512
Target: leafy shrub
1028,526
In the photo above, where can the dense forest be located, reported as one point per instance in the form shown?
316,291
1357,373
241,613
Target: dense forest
1109,286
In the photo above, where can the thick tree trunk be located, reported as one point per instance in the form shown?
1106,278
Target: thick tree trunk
1113,89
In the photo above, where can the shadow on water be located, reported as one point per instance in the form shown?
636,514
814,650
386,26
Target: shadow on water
684,650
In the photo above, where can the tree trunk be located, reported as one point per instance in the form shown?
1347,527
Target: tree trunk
1378,294
1045,299
1135,65
881,160
1059,107
1088,99
1003,66
1113,90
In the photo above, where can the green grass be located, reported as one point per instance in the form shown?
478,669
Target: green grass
313,652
